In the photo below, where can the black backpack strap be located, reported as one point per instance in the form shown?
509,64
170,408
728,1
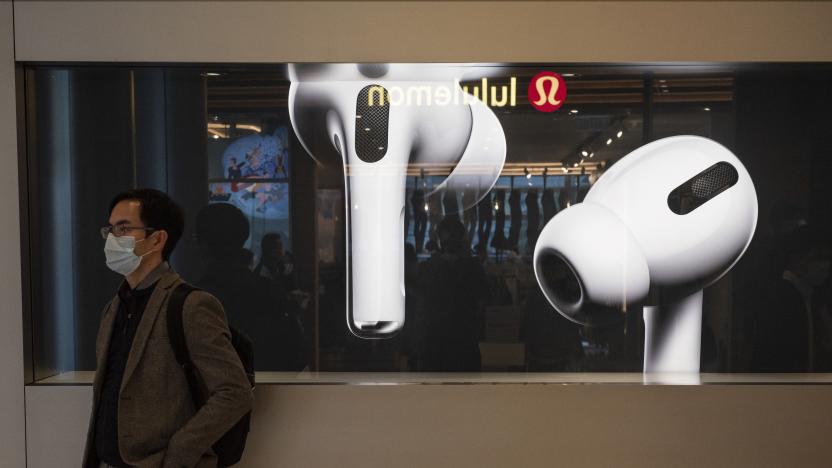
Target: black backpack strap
176,335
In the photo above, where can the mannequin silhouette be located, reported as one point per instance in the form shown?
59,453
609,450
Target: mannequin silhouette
485,215
533,219
516,219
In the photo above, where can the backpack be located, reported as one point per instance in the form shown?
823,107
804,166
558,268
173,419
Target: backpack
229,448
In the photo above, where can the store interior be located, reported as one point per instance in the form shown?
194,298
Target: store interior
222,134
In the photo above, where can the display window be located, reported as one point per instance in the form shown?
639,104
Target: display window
431,217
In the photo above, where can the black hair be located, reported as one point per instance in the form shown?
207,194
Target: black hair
452,235
270,240
222,228
158,211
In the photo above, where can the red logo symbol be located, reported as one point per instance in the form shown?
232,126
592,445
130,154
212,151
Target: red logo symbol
547,91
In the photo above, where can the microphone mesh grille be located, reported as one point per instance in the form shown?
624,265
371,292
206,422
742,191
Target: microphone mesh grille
702,187
372,117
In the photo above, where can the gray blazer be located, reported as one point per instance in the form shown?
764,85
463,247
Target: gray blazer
157,423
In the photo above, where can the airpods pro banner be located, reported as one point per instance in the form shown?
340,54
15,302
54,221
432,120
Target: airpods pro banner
681,200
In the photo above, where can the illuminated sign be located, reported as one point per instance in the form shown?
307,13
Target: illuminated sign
547,91
453,93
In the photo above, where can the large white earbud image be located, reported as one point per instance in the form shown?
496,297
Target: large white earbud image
661,224
381,120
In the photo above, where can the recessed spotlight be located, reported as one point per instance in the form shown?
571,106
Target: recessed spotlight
707,109
609,141
620,132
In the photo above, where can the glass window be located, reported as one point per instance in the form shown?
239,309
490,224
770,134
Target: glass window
295,273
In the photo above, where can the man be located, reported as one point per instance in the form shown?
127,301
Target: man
252,306
450,292
143,414
234,171
783,332
275,267
275,263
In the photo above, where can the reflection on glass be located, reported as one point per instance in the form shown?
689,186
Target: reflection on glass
279,261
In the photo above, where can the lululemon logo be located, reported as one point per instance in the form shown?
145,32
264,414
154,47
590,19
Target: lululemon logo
547,91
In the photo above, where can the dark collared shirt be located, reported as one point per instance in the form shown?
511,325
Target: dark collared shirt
132,303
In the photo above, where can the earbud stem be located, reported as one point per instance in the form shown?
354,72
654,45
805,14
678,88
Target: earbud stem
672,336
375,248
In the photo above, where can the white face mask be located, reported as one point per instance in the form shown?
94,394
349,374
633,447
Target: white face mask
120,256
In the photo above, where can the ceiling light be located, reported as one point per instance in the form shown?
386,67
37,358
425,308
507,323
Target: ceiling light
620,132
609,141
249,127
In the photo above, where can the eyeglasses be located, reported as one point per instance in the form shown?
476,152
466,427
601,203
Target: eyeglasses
120,229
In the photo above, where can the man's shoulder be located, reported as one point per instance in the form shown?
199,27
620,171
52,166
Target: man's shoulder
200,302
201,297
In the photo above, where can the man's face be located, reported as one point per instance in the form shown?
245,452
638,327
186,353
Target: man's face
126,213
273,251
